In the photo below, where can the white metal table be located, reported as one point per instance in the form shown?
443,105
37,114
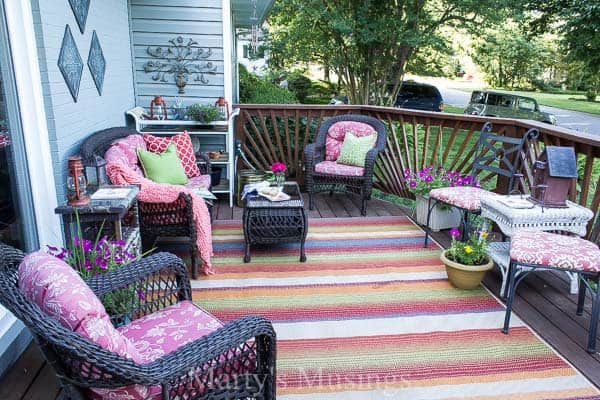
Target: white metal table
513,213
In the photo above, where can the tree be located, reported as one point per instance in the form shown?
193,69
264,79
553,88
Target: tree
510,58
368,43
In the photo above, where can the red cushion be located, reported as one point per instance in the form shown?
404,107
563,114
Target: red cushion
465,197
553,250
183,144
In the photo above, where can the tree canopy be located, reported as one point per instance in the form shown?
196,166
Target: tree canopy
369,43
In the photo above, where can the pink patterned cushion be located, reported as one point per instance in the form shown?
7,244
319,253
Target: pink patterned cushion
466,197
61,293
122,149
158,334
183,144
202,181
337,132
553,250
333,168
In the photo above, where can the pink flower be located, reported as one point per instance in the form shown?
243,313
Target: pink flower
428,178
278,167
455,232
412,184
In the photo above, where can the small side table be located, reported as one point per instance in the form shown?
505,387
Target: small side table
117,216
270,222
573,219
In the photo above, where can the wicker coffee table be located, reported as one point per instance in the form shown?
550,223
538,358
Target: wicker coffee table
271,222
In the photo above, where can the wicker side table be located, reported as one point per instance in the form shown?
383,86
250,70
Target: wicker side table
270,222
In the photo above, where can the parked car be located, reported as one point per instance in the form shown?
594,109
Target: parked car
497,104
419,96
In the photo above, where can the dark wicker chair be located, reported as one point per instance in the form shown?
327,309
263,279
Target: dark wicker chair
236,361
156,219
314,153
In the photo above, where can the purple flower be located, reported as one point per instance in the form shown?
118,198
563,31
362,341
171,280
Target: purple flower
455,232
87,245
101,263
428,178
141,294
76,241
88,265
412,184
52,249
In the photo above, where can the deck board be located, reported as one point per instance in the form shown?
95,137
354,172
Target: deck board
542,301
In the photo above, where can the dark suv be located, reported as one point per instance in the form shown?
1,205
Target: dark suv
419,96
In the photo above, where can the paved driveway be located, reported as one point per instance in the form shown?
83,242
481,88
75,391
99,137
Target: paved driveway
578,121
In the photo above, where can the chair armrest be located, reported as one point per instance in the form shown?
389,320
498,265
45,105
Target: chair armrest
162,277
202,353
370,159
313,154
206,159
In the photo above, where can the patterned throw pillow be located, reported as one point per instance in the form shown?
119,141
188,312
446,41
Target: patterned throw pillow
185,151
354,149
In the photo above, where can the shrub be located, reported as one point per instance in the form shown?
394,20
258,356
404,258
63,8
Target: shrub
256,90
204,113
300,85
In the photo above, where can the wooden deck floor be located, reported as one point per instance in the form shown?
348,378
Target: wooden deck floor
543,302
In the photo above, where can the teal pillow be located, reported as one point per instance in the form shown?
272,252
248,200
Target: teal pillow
354,149
163,167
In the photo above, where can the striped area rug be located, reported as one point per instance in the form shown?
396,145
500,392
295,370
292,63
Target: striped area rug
371,315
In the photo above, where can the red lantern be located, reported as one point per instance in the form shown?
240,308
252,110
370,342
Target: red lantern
76,183
223,107
160,103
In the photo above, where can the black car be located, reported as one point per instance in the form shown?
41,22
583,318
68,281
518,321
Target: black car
419,96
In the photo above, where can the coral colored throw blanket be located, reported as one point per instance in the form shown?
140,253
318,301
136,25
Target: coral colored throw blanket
152,192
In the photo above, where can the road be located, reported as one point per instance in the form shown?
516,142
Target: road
578,121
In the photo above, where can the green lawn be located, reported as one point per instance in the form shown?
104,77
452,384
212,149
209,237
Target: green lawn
453,109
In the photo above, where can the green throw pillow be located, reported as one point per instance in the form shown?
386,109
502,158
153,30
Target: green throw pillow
163,167
354,149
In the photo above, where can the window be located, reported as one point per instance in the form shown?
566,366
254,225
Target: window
527,104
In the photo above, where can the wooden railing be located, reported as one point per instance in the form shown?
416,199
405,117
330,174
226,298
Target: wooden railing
416,139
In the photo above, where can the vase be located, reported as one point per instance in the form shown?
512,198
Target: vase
442,217
464,276
279,179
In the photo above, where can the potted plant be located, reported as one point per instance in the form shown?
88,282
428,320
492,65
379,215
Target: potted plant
204,113
467,262
421,182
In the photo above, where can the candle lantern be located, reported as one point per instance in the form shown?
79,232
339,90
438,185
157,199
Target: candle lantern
159,102
223,107
76,183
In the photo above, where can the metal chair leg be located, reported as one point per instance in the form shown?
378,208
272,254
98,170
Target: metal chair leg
512,289
429,210
311,200
581,295
466,226
591,345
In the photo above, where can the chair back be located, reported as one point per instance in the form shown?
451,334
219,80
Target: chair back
72,356
501,155
377,125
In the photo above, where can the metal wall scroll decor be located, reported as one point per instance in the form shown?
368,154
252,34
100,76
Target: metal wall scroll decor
181,60
80,10
70,63
96,63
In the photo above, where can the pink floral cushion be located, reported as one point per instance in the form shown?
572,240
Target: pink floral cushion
553,250
158,334
465,197
61,293
202,181
333,168
337,132
123,150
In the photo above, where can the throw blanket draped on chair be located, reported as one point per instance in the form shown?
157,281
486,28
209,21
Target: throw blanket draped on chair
151,192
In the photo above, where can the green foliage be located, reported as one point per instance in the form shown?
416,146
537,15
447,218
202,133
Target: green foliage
204,113
368,44
510,58
300,85
256,90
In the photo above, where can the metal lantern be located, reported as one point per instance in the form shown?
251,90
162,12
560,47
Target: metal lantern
222,106
554,172
76,183
160,103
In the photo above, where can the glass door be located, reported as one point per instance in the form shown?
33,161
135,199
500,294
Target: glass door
17,221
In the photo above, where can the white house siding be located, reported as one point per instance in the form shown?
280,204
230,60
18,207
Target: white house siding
154,23
69,122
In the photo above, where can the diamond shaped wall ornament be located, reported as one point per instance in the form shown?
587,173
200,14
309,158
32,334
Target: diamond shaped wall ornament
96,63
80,10
70,63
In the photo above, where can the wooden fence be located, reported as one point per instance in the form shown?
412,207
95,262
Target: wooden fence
416,139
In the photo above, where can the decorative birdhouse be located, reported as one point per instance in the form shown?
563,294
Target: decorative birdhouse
553,175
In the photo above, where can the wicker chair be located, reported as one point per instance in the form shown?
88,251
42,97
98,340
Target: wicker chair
156,219
315,155
235,361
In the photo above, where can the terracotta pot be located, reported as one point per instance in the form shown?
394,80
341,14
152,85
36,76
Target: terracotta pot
465,276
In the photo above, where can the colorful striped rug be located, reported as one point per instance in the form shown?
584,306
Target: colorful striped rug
371,315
